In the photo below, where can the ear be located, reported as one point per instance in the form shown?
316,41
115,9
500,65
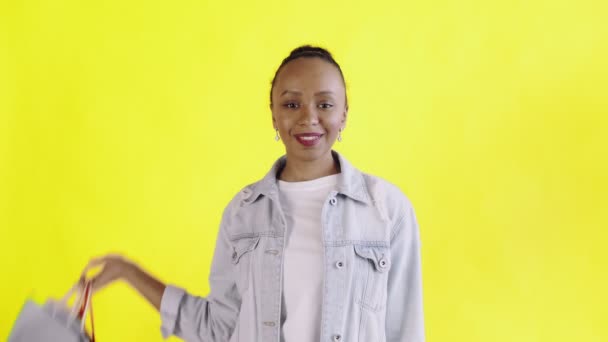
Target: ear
345,115
274,122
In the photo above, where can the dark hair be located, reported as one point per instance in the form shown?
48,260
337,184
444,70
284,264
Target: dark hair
308,51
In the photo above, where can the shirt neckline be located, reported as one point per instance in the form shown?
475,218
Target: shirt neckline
317,183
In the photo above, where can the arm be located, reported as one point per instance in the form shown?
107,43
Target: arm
209,319
404,316
189,317
149,287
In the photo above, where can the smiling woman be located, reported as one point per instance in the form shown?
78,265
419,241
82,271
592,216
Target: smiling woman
315,250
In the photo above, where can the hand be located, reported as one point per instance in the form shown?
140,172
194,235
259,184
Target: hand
114,267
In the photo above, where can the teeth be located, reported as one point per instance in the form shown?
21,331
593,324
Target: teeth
308,138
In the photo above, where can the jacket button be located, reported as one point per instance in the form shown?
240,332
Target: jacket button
339,264
333,201
337,337
383,263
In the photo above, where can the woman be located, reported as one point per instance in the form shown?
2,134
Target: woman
315,251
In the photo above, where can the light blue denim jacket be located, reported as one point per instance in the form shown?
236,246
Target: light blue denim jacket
372,288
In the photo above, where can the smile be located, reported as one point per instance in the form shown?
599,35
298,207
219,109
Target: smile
308,139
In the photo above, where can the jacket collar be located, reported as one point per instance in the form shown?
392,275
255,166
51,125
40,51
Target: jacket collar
350,181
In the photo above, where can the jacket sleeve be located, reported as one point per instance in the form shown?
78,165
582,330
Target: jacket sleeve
404,315
210,319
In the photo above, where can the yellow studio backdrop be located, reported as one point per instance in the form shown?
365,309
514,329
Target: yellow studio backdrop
127,126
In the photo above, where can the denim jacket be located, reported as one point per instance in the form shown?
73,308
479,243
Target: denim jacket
372,289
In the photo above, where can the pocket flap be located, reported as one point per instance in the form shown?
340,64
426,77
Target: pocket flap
242,246
378,255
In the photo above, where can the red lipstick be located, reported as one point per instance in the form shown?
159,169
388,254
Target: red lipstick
308,139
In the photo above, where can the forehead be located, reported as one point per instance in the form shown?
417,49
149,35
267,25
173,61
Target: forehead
309,73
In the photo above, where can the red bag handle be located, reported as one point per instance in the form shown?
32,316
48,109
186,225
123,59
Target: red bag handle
87,303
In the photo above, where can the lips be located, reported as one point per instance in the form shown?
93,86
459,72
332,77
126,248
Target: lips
308,139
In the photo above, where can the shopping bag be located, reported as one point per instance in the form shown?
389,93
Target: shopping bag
55,321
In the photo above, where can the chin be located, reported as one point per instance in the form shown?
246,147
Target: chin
310,154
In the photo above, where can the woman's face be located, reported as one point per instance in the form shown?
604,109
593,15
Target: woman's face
308,107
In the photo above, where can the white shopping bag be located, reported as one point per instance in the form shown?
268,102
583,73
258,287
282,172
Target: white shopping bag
55,321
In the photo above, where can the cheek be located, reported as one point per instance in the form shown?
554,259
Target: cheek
332,124
284,124
280,119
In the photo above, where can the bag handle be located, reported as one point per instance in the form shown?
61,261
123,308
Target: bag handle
77,304
63,302
81,307
87,307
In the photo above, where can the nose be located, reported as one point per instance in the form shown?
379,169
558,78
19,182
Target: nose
308,116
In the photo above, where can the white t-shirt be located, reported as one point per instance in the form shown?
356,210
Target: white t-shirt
303,258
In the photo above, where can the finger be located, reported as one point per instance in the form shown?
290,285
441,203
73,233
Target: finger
103,278
96,261
93,263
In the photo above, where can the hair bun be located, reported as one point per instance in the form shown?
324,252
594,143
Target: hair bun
309,50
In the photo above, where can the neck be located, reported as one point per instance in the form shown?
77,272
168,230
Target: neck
304,170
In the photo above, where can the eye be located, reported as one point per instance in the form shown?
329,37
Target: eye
326,105
290,105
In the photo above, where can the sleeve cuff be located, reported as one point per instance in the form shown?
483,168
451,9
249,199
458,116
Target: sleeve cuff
169,309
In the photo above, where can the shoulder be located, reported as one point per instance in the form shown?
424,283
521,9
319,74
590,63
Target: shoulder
381,189
388,198
241,199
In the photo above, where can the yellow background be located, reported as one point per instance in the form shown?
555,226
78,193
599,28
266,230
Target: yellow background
126,126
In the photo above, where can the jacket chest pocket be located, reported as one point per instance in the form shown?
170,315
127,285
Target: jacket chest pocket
372,264
242,255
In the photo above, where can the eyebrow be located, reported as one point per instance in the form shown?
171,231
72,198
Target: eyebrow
324,92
